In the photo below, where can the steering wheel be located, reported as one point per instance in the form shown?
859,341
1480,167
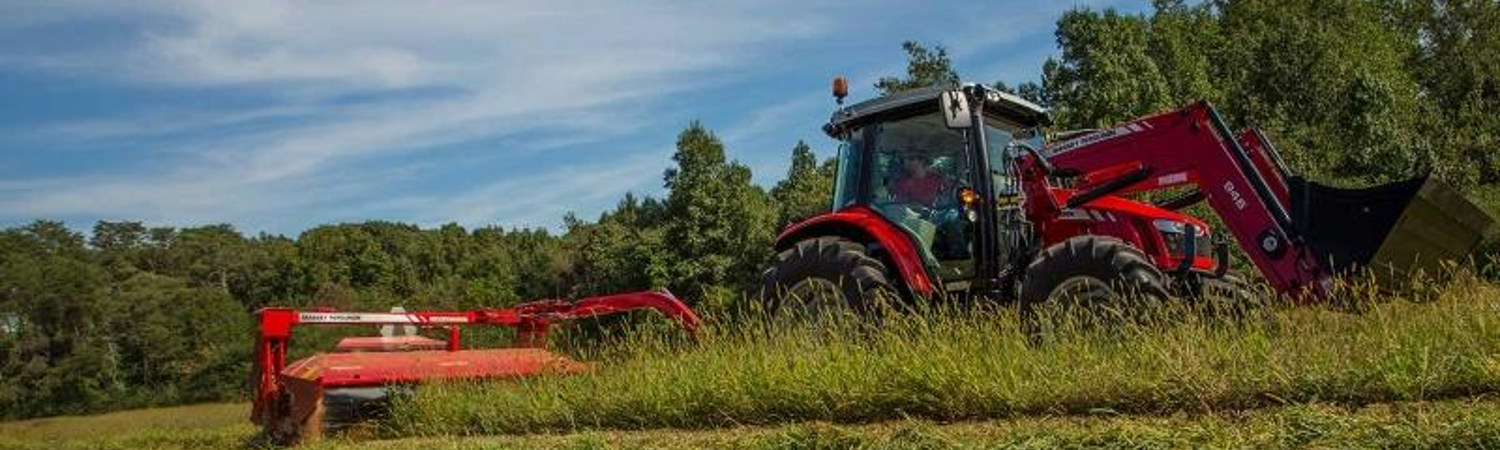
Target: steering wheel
947,197
923,211
918,210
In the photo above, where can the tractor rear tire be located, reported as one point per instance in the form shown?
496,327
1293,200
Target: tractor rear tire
1230,297
1102,277
826,275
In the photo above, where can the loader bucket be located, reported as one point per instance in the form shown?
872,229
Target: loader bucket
1404,227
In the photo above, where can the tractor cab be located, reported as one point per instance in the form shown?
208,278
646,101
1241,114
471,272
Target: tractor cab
918,160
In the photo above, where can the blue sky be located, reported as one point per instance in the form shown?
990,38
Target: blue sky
278,115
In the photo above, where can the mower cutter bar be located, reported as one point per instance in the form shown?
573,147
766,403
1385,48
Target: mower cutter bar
289,399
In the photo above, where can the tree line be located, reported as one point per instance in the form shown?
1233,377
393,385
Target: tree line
130,315
1356,91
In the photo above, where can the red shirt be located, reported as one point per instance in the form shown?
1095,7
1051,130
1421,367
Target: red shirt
922,190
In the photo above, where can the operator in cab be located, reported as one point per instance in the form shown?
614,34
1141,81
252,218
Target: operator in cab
920,184
923,185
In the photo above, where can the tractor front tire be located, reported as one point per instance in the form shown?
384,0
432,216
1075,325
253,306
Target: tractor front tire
826,275
1230,297
1101,277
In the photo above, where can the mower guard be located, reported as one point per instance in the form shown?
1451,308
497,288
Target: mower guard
1402,228
298,401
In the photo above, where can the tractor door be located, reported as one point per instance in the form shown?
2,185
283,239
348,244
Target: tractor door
916,168
1012,231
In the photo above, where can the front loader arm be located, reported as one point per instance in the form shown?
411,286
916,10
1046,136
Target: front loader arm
1190,146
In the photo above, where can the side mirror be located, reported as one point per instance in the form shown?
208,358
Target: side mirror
955,107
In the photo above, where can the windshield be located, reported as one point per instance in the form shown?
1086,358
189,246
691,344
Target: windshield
918,161
917,165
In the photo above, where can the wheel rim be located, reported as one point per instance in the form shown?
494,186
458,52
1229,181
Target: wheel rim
814,300
1082,289
1076,300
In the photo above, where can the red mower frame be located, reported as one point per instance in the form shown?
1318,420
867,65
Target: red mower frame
288,396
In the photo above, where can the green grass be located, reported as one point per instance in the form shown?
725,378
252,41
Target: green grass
977,366
1488,199
1453,424
1465,423
220,425
1393,373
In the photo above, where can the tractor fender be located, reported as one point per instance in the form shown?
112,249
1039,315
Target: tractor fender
861,224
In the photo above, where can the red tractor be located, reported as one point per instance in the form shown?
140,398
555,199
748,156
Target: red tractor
956,191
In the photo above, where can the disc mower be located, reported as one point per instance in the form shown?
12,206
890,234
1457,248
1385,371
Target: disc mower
943,191
299,401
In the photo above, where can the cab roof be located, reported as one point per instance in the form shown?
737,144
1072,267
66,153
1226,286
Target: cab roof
1002,104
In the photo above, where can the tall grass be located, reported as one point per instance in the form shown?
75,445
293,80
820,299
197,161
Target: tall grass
1464,423
948,365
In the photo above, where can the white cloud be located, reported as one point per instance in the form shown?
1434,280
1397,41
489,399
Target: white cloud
574,72
511,66
548,195
165,122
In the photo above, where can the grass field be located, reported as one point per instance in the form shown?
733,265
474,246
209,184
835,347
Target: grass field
977,366
1462,423
1420,372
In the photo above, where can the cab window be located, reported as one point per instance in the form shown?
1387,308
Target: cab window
851,156
998,136
917,167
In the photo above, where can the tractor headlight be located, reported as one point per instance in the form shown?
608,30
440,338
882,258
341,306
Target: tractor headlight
1169,226
1174,233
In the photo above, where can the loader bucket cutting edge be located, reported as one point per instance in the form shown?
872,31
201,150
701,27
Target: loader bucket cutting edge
1404,227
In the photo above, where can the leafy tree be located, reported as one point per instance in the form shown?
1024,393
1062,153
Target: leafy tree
58,359
806,191
489,268
1106,73
349,255
924,67
156,256
211,254
538,262
624,251
269,273
1457,65
1328,80
720,225
171,339
1182,40
121,246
